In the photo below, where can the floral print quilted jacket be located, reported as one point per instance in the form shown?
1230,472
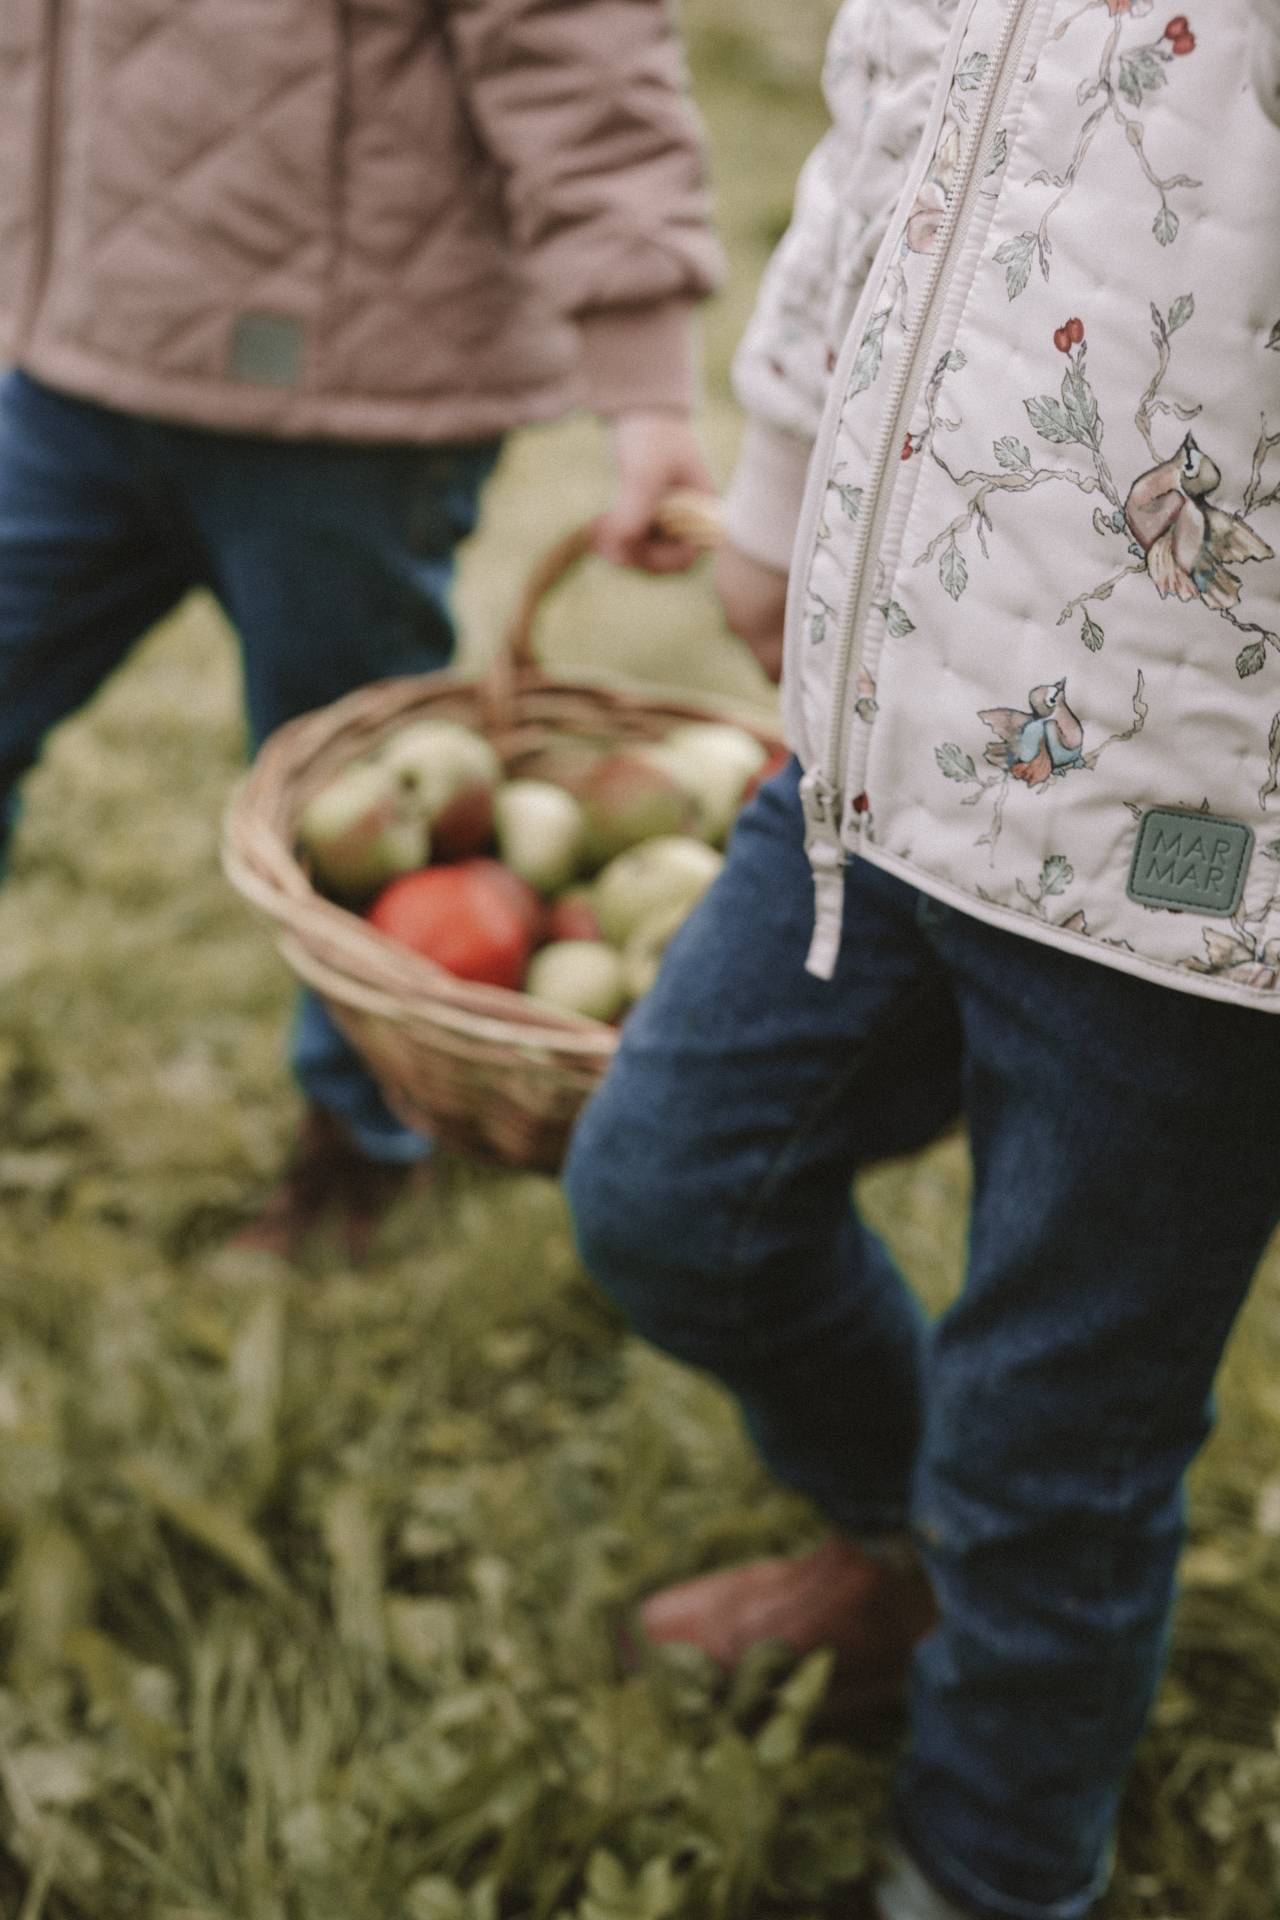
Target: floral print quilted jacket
1029,310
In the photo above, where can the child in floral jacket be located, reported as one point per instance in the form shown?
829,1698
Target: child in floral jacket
1014,387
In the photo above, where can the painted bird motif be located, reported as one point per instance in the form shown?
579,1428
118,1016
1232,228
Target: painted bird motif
1188,543
1035,746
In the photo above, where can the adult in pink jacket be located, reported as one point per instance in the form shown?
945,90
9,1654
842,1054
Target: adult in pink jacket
273,284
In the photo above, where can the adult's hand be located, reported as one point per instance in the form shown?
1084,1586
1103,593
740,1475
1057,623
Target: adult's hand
656,453
754,598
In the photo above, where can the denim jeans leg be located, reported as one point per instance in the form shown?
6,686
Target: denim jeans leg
710,1177
335,564
1125,1187
85,565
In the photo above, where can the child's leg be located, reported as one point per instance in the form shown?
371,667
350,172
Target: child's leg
710,1177
335,563
1125,1151
88,561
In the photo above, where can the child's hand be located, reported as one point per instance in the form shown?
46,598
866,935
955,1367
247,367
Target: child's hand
657,454
754,598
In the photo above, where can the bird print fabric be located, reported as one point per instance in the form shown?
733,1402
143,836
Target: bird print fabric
1035,746
1187,542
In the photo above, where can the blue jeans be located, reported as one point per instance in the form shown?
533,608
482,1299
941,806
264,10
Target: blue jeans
1037,1436
333,562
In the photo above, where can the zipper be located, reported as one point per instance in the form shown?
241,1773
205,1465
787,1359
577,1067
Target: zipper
45,163
820,790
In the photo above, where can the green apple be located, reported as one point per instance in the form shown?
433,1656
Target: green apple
438,760
579,976
674,871
643,953
715,763
361,831
541,833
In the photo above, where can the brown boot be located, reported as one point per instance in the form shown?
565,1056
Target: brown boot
871,1612
328,1179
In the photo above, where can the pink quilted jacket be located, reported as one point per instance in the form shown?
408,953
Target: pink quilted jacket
379,219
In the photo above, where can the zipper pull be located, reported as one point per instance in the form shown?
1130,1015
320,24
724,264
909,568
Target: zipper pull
821,804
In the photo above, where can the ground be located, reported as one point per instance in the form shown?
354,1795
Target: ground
311,1580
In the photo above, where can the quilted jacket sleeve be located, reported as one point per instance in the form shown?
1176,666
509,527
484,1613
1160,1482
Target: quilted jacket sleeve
584,106
782,369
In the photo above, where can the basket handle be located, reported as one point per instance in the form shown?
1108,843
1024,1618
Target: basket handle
683,515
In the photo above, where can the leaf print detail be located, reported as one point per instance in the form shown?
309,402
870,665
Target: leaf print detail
1251,659
953,572
1050,421
1113,100
1141,73
954,763
972,72
1092,635
1274,340
1180,312
896,619
1016,256
850,498
1012,455
817,629
1079,402
999,153
1056,875
870,354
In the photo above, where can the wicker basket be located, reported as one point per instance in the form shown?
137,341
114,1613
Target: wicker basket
488,1073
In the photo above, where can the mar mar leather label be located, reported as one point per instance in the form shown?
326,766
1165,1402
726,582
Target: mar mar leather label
1191,861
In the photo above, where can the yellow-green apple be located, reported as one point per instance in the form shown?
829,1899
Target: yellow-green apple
675,870
579,976
362,830
541,833
715,763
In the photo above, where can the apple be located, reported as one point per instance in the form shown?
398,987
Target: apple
476,920
628,798
580,976
565,760
642,956
674,870
715,763
438,760
362,830
464,826
573,917
541,833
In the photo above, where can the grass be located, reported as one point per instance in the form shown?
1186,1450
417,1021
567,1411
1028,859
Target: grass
310,1581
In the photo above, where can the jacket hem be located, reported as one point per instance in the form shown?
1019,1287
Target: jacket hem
222,406
1159,973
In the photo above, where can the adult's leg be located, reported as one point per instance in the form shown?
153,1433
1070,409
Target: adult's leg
709,1178
1126,1184
87,563
335,565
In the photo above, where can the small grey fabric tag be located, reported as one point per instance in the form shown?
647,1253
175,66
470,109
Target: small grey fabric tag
1192,861
267,350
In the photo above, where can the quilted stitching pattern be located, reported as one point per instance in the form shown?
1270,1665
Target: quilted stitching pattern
321,163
